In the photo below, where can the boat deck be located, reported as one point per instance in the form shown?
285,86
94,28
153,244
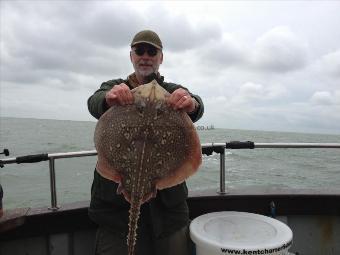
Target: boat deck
313,216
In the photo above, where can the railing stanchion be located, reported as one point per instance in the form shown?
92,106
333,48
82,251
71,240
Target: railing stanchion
222,173
53,189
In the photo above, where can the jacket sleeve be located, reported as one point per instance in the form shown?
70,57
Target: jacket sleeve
96,103
198,113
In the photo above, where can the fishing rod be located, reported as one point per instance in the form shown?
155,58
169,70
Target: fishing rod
208,148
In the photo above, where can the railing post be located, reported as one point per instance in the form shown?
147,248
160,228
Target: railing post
222,173
53,189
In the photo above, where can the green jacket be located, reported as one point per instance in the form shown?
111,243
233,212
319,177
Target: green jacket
97,105
166,213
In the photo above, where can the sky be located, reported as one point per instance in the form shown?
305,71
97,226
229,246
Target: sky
259,65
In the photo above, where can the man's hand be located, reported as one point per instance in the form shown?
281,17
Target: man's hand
119,95
180,99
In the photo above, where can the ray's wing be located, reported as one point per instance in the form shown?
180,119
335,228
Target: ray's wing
177,147
115,136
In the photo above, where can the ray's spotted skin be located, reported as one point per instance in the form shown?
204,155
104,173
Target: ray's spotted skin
145,147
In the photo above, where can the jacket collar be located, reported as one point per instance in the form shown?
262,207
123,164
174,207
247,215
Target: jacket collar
133,82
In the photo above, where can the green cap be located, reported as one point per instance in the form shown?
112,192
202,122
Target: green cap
147,36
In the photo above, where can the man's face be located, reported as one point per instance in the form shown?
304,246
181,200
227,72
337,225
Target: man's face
145,59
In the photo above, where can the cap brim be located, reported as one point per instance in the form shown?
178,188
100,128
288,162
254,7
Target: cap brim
155,45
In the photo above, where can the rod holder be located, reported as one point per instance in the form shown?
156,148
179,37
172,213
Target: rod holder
5,152
54,206
222,190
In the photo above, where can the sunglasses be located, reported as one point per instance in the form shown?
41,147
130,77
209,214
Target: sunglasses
151,51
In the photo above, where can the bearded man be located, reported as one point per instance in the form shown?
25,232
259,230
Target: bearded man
164,220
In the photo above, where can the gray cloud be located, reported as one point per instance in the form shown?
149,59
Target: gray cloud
330,64
250,74
225,53
280,50
258,93
325,98
109,26
322,98
83,37
177,31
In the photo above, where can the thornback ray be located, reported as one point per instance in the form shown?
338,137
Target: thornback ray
145,147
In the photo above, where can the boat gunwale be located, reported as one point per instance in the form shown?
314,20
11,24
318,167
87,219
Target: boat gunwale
73,217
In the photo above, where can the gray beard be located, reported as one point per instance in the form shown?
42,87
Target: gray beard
145,74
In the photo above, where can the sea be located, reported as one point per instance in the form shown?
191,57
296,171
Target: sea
28,185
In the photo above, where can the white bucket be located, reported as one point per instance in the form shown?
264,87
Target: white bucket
230,233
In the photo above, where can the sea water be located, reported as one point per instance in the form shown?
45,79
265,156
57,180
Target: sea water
28,185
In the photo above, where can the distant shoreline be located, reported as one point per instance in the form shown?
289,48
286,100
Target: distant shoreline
196,125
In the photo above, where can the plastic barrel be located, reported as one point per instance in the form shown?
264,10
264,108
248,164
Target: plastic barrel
230,233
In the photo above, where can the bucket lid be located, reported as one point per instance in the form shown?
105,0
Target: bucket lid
240,231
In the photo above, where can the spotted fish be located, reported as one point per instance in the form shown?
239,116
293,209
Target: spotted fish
146,147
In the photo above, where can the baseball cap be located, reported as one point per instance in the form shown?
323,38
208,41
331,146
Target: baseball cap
147,36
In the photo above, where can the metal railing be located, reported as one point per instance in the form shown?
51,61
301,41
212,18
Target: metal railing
207,149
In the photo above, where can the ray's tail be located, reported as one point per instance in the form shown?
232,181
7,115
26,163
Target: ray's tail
133,221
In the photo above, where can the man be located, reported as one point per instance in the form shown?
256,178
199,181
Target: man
163,223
